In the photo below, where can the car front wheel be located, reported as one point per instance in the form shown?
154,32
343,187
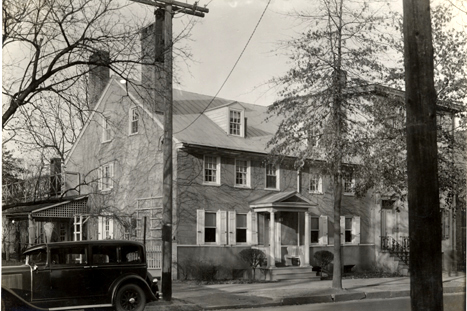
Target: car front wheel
130,297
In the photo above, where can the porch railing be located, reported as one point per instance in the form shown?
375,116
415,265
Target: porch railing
32,190
399,248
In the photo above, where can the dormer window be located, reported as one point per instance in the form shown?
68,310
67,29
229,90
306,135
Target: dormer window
235,123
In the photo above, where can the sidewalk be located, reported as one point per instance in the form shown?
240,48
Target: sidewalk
190,297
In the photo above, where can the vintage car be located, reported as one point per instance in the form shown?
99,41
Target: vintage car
80,275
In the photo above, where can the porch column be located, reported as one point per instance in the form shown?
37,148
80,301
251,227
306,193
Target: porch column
272,241
306,261
31,231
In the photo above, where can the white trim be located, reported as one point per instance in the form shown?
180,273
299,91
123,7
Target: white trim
218,171
248,174
130,121
277,172
242,122
320,183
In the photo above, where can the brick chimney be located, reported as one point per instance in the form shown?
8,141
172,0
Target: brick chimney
99,75
152,54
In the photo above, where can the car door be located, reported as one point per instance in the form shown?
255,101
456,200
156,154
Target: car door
40,275
70,272
105,266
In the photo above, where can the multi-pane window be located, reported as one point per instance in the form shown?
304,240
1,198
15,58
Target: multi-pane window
348,230
241,228
271,176
349,184
316,183
313,137
134,120
314,227
107,130
211,170
241,173
235,122
106,174
210,225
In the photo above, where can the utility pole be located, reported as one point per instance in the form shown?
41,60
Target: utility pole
170,8
426,286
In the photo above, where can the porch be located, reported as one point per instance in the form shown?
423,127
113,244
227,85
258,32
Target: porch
284,232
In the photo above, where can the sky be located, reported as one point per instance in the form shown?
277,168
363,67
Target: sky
219,38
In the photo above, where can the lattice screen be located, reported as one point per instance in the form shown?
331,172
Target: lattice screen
66,210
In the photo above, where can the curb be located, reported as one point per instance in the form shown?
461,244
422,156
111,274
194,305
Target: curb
180,305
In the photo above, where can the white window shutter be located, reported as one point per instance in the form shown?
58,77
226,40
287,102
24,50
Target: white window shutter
342,223
100,228
254,228
221,227
356,230
251,228
111,228
99,178
111,173
320,185
232,227
200,214
323,230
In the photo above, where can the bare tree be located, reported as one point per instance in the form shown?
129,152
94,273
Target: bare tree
48,49
340,49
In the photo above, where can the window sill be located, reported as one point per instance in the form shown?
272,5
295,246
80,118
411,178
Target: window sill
272,189
349,194
242,187
133,134
107,141
315,192
211,184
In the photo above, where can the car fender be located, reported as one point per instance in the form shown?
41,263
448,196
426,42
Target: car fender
136,280
12,301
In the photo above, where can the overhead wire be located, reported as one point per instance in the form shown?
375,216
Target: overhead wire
231,71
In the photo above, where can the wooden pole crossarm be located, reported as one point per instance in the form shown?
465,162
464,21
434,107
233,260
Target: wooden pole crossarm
185,8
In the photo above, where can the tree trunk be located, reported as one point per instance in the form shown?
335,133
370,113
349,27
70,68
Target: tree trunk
337,269
426,287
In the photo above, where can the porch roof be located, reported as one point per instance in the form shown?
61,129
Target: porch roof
283,201
63,208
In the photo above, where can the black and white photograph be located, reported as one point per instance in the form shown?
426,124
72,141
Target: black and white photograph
270,155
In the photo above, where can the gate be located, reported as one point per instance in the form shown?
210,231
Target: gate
149,229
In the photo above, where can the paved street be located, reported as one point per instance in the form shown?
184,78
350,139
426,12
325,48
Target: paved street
452,302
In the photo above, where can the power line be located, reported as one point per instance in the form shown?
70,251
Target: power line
231,71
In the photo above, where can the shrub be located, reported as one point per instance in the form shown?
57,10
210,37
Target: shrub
253,257
198,270
323,259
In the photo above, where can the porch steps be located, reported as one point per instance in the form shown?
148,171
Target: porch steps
294,273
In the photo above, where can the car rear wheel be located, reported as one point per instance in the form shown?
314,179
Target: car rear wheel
130,297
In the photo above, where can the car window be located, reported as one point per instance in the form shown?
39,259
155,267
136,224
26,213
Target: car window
103,254
37,257
132,254
72,255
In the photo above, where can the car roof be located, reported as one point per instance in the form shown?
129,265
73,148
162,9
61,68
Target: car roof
87,242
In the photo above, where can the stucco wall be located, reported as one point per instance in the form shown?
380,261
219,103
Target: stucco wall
137,158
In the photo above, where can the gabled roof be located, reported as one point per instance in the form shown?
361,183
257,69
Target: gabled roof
282,201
